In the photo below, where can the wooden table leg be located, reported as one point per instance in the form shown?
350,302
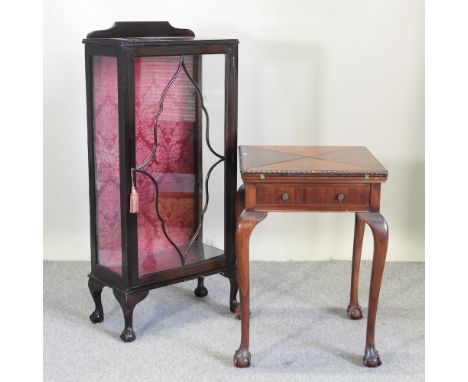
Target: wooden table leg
240,201
379,229
245,225
354,310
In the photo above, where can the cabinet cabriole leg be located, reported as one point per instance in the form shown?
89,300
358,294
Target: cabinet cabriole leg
128,302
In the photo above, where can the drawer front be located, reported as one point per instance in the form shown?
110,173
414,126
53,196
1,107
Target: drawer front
319,197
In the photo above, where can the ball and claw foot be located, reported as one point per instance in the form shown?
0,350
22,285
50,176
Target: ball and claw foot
201,291
354,312
242,358
233,306
128,335
371,358
96,317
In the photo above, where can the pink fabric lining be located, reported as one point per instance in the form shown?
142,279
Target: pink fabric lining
106,157
173,165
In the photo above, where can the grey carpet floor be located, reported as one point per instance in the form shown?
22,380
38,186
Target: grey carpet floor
299,329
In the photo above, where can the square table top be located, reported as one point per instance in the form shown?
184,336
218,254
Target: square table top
310,160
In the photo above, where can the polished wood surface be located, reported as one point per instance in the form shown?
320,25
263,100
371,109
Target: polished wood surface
379,229
246,223
153,35
316,178
327,197
309,161
146,29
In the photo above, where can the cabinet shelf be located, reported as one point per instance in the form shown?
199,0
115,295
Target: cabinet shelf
168,258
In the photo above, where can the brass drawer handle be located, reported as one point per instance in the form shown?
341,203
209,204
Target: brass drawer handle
285,196
340,198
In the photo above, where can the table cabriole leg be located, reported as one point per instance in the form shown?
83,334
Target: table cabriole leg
379,229
354,310
128,302
240,201
245,225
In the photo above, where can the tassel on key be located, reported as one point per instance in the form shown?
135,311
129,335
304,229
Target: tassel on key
133,195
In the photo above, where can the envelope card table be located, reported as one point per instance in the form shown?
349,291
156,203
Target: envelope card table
312,178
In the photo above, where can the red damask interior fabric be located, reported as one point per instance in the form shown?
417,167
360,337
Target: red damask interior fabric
172,167
173,164
106,157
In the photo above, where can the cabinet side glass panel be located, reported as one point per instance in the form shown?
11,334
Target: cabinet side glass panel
213,91
107,168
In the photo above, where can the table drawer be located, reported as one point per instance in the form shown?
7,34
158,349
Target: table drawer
320,197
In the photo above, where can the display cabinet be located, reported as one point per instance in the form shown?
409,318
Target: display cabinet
151,159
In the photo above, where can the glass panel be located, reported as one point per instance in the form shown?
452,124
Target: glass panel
106,156
213,91
162,86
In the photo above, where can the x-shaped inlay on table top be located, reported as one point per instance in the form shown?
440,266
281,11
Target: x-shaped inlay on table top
310,160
